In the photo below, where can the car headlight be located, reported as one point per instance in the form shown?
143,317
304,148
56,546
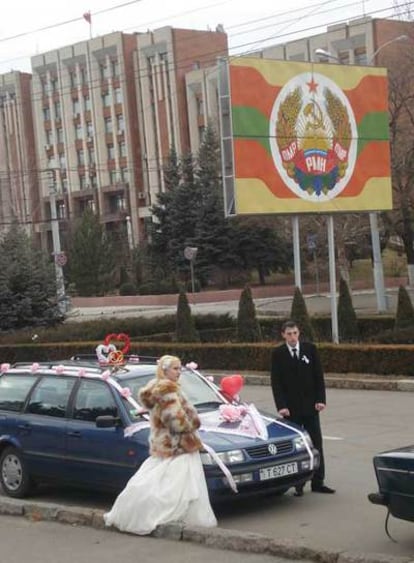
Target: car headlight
300,442
233,456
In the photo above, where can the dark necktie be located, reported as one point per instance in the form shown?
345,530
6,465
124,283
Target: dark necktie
295,353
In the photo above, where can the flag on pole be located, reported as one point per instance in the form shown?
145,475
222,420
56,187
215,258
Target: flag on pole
87,17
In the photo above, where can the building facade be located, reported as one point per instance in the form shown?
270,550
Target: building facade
19,194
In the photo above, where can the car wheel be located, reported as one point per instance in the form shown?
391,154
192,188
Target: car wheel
13,474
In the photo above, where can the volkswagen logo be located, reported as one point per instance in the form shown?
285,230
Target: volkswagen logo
272,449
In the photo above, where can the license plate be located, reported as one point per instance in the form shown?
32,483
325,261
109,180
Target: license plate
278,471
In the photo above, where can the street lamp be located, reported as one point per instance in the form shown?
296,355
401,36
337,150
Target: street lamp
190,252
378,270
58,256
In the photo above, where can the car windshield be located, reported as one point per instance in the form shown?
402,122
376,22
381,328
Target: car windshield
197,390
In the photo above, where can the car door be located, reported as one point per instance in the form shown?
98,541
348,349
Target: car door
42,427
100,457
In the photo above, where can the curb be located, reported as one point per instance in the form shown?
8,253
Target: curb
217,538
334,380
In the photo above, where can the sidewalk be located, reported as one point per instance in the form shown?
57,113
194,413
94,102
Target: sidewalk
364,381
218,538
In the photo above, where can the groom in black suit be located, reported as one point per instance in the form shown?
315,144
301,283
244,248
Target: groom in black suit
298,387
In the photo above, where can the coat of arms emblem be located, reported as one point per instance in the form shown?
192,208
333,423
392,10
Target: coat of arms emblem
313,137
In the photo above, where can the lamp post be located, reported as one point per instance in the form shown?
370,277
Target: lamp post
378,270
58,256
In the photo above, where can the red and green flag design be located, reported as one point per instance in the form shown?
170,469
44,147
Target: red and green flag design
309,137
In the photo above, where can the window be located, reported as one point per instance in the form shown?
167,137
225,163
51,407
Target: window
83,182
104,71
122,149
54,84
46,114
72,78
89,129
343,57
111,152
50,396
108,125
118,95
58,110
117,203
81,157
76,106
87,103
113,176
49,137
200,106
61,210
115,68
45,87
125,175
62,160
107,99
360,56
59,135
91,155
94,399
83,75
120,122
14,390
78,131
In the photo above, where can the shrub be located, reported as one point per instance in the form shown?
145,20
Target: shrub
299,313
405,312
347,319
248,328
128,288
185,330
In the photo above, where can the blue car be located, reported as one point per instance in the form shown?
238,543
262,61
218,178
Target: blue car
79,424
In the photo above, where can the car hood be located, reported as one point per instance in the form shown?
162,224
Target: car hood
404,452
222,435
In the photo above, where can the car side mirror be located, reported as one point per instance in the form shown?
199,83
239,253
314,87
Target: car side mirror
107,421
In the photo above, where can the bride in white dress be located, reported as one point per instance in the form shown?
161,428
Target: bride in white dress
170,485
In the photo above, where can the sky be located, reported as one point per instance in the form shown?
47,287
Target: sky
28,28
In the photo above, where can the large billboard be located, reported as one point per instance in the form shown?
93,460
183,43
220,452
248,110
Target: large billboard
304,137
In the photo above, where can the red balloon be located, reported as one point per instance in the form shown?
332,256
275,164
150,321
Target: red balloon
232,384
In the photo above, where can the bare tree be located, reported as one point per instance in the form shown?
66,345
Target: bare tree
401,126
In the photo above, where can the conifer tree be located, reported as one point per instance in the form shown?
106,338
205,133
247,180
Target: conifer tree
248,327
27,283
299,313
347,319
404,316
185,330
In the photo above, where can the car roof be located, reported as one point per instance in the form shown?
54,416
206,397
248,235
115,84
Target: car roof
90,368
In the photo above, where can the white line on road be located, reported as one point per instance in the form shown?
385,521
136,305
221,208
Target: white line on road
332,438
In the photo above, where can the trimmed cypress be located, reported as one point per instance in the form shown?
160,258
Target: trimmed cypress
299,313
404,316
248,327
347,319
185,330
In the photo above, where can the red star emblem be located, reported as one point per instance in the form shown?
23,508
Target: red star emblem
312,85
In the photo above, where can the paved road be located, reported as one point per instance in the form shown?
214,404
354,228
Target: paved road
356,425
48,542
364,302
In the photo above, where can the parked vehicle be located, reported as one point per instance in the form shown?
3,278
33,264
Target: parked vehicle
77,423
394,470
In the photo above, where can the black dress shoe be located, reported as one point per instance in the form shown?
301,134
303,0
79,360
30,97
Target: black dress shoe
322,489
298,492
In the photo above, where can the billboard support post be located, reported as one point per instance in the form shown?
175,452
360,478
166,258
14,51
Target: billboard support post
332,279
296,251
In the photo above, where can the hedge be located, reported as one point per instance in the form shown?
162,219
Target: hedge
336,358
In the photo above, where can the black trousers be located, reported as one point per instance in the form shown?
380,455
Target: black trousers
311,424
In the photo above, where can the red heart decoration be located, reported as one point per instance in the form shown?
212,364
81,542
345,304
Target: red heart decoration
232,384
121,338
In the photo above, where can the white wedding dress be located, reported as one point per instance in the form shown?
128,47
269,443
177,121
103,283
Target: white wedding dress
163,490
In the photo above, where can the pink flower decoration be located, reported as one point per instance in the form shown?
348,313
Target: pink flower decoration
4,368
82,372
59,369
126,392
34,367
230,413
210,378
191,365
106,375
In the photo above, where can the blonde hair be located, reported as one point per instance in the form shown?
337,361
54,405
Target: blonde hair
164,363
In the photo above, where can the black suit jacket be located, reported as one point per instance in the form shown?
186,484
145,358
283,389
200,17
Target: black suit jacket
297,384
